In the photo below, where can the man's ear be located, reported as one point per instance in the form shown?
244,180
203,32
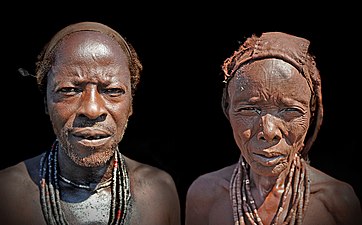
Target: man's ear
130,111
225,102
45,106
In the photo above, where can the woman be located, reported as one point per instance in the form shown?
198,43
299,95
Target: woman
273,101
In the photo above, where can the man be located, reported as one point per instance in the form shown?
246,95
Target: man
88,74
273,101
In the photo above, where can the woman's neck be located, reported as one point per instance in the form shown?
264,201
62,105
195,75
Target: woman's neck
261,185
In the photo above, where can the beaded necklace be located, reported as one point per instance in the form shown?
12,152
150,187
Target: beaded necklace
297,186
50,191
98,187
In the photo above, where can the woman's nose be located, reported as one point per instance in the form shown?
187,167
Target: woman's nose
270,130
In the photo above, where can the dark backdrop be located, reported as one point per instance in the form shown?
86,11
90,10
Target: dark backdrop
177,123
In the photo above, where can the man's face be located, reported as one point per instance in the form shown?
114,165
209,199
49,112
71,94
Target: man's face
89,96
269,113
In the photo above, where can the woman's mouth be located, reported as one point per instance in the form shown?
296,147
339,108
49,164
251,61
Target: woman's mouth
268,160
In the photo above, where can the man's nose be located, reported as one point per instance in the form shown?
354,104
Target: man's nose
92,104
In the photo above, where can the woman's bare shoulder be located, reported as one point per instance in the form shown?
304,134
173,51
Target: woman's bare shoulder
337,196
326,186
208,185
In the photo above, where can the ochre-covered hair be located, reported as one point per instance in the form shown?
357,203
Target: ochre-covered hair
46,57
291,49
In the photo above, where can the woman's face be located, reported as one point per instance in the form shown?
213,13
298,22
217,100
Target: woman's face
269,111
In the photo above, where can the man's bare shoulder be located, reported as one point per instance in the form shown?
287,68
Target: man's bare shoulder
153,185
19,195
19,177
12,174
156,184
141,172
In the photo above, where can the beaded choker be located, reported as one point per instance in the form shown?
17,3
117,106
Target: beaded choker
50,191
297,187
87,187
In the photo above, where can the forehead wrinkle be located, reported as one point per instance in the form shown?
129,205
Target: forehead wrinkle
271,73
240,83
78,74
263,85
274,71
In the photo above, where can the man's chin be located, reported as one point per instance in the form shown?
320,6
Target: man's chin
96,159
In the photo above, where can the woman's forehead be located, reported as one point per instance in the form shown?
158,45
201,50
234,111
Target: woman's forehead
265,69
272,76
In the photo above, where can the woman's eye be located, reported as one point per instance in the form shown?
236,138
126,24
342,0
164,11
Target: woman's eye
291,113
250,110
296,110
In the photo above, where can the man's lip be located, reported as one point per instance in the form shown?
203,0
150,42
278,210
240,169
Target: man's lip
90,132
91,142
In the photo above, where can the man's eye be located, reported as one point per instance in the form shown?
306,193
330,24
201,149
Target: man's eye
67,90
114,91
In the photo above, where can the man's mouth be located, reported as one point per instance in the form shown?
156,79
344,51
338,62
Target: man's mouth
91,137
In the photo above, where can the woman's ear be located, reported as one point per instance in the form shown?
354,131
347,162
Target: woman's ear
225,102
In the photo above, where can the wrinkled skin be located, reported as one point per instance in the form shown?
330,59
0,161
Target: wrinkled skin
268,107
89,102
269,115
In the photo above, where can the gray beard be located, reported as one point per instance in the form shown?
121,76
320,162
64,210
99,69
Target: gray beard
94,158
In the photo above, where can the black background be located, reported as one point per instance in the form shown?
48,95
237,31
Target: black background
177,123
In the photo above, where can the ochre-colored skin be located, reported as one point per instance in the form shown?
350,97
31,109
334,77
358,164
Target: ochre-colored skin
269,114
89,94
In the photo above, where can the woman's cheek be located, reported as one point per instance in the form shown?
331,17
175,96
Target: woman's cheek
298,131
242,132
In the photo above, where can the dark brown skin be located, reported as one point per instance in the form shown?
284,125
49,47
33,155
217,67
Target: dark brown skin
269,114
89,81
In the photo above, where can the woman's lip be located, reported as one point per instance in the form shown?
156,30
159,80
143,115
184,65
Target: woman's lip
267,160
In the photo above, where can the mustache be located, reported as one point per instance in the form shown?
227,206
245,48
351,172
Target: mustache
95,124
101,127
86,122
